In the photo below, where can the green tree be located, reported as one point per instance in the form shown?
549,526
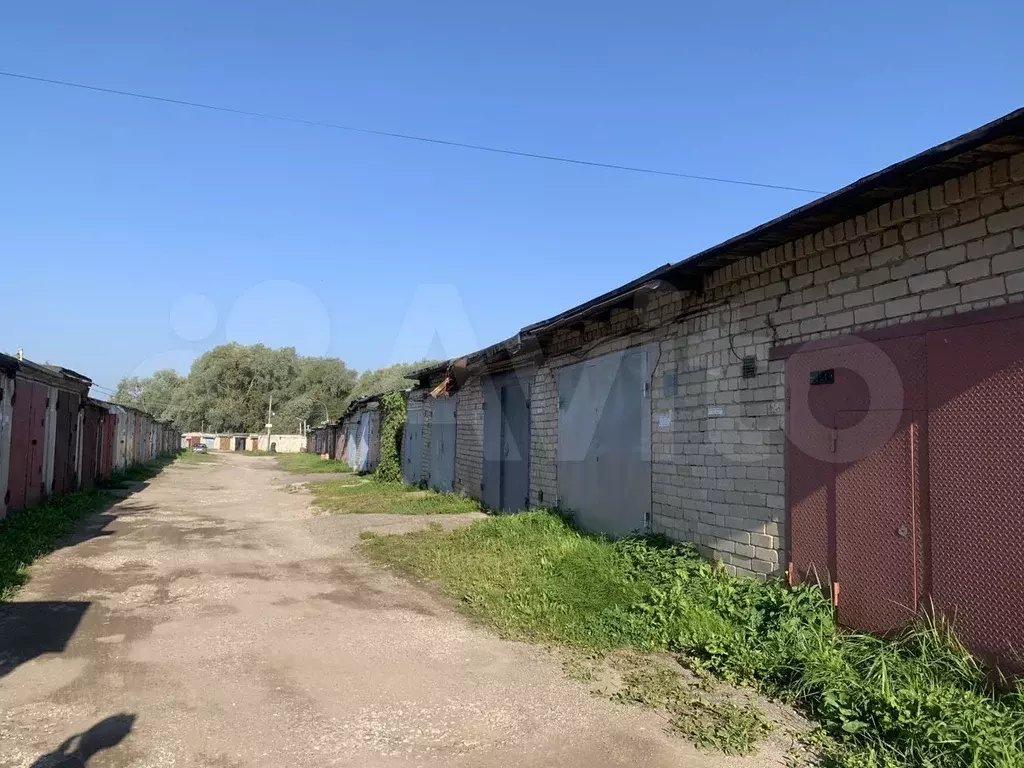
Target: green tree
387,379
153,394
229,388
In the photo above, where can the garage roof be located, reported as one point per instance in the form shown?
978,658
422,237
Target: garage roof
991,142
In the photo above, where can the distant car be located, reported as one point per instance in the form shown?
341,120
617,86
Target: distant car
200,448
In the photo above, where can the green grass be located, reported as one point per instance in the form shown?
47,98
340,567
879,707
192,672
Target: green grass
308,463
143,471
361,495
915,699
30,533
191,457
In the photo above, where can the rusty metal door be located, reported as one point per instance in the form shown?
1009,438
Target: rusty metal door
92,446
22,434
976,481
877,519
65,440
6,413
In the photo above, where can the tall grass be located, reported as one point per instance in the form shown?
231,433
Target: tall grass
916,699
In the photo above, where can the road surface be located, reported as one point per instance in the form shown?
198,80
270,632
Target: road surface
213,619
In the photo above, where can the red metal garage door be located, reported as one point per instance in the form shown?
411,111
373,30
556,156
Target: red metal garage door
905,480
877,519
66,442
976,426
28,433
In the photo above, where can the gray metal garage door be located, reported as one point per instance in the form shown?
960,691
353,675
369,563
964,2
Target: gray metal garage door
604,441
412,447
507,440
442,444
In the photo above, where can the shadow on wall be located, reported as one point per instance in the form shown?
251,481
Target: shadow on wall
76,751
30,629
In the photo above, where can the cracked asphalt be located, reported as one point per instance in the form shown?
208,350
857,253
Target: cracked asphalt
214,619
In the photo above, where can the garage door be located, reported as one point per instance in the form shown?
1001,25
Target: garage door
442,444
412,447
604,441
507,440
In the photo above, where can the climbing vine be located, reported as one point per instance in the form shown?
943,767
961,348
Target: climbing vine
392,420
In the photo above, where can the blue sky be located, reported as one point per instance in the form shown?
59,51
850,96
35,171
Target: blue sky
135,235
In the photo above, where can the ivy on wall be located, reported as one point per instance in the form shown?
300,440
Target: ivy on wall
392,420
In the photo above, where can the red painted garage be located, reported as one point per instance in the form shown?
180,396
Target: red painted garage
905,478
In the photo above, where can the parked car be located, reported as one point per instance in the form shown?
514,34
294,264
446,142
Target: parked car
200,448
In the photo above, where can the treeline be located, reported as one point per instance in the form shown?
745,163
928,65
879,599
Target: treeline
229,387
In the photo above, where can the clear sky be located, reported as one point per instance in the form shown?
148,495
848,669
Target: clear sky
134,234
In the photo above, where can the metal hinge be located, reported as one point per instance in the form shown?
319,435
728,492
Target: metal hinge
835,438
647,389
835,594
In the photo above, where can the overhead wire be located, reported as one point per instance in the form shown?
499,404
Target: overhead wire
404,136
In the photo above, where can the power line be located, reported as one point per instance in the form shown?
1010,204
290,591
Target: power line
405,136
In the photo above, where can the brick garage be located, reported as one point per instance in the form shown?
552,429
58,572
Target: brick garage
939,235
938,238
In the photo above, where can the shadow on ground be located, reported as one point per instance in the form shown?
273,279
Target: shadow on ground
30,629
76,751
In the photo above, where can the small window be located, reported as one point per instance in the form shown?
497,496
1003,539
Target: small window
749,367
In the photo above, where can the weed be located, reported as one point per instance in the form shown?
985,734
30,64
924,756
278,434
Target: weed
309,463
363,495
29,533
915,699
730,728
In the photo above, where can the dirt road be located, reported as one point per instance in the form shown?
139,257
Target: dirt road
211,619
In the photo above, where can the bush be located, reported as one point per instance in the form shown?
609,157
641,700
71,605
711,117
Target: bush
389,470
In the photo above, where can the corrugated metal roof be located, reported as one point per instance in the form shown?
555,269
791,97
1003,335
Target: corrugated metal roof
52,374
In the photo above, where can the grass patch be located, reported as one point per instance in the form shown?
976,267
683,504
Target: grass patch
30,533
143,471
309,463
191,457
734,729
916,699
367,496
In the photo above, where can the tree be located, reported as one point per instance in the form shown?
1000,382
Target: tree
153,394
387,379
229,388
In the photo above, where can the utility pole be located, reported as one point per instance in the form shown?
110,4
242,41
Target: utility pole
270,413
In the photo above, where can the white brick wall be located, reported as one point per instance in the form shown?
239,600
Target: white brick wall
469,439
719,481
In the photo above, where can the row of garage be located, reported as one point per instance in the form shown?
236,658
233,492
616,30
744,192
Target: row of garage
354,438
833,396
54,438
